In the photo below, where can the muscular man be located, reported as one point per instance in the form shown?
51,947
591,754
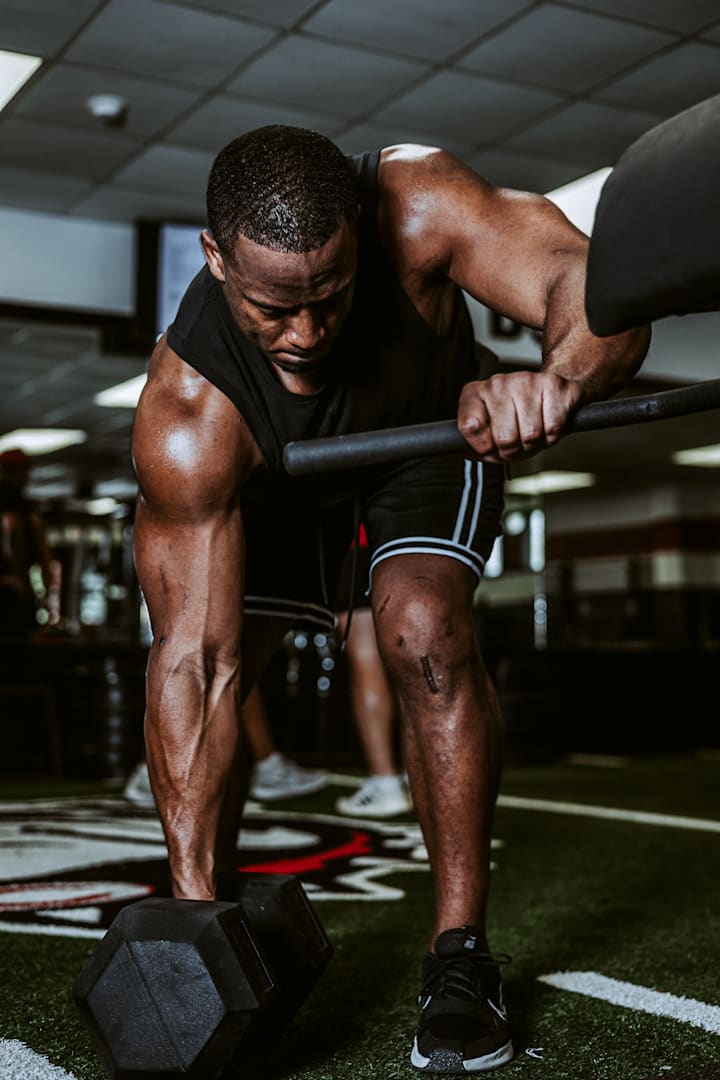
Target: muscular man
331,302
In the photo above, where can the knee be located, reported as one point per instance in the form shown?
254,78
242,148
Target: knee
426,641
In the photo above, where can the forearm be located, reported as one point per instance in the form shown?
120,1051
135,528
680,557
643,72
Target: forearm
600,366
192,734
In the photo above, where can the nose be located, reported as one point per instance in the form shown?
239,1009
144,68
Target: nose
305,330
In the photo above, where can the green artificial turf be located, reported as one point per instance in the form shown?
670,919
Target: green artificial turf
634,902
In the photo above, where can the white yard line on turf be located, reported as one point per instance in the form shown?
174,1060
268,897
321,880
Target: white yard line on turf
639,998
609,813
598,761
19,1062
53,931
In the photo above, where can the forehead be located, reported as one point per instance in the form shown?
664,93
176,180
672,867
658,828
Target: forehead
288,277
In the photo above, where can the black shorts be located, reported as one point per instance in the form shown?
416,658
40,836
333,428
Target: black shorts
443,506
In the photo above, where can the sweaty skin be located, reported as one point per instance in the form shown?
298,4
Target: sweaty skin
444,229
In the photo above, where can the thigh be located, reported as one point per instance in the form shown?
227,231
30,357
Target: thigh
444,507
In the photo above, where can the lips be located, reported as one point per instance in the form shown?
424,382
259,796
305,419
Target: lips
300,360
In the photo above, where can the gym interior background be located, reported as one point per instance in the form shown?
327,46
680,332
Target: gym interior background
600,613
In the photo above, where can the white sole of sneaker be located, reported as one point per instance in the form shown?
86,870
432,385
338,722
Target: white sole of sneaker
479,1064
271,794
352,811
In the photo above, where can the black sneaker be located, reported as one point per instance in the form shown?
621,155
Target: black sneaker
462,1026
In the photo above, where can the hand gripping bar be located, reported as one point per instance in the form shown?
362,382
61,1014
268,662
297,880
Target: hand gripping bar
387,445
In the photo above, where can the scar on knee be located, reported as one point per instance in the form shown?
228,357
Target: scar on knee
427,672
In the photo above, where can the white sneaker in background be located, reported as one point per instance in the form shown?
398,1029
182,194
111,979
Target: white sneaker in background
137,786
279,777
379,796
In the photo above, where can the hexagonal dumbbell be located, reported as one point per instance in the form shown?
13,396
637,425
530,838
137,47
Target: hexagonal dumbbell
183,987
290,938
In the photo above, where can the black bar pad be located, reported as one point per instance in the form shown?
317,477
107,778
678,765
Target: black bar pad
388,445
655,244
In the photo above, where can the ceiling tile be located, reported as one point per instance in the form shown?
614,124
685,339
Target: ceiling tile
314,75
420,28
277,13
685,17
59,97
41,27
33,190
50,148
663,85
362,137
109,203
467,106
524,171
562,49
168,41
171,169
221,119
584,131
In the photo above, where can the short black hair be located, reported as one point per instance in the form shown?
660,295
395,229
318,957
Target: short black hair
286,188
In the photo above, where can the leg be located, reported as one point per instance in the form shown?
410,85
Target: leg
384,793
372,697
423,612
259,737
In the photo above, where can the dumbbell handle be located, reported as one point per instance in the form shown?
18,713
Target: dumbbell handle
442,436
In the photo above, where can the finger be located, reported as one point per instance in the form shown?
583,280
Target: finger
474,424
531,425
555,411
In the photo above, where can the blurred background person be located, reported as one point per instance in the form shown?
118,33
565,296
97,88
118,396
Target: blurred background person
25,558
384,792
274,775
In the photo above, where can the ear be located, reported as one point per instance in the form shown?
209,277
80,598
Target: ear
212,255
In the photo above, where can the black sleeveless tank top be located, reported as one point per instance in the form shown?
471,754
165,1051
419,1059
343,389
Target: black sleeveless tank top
387,367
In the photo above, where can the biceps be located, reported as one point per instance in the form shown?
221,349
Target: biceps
192,576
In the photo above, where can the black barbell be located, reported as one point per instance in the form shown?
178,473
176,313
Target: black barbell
388,445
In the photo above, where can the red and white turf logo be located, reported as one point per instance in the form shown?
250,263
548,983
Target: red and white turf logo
69,865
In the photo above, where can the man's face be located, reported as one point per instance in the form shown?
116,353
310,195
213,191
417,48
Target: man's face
291,306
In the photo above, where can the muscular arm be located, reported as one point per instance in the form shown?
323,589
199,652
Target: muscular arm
191,454
518,254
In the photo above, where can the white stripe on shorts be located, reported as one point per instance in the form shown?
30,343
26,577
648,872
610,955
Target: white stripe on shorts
413,545
473,479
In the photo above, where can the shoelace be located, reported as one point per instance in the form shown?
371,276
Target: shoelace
458,976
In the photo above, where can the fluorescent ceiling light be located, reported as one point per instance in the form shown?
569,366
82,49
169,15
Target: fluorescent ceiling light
101,506
706,456
118,488
578,200
59,489
41,440
552,480
123,396
15,70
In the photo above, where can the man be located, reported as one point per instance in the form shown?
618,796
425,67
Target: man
331,302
